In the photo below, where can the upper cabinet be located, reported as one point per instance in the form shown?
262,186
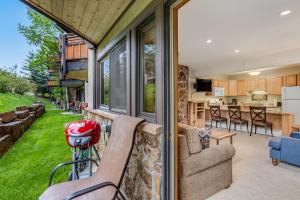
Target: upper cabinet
290,80
261,84
274,85
224,84
242,88
232,88
251,85
215,83
221,84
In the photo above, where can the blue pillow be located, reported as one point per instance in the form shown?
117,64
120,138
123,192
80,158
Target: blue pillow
295,135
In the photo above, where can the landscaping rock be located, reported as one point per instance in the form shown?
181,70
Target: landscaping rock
5,144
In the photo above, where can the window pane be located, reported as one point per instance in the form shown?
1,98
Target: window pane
105,81
148,51
118,78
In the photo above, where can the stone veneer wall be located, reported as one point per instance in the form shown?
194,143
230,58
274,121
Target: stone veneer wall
183,93
143,176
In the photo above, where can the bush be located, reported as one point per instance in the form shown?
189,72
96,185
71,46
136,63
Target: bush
10,82
22,85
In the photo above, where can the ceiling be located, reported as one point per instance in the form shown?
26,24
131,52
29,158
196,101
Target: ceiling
263,37
90,19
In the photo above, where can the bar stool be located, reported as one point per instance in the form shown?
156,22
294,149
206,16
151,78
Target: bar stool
235,117
259,119
215,113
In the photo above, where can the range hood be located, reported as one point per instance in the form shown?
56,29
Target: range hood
259,96
260,92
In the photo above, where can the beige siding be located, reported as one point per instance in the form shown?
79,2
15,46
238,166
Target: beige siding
127,18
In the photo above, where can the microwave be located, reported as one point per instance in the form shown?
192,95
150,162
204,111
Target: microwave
219,92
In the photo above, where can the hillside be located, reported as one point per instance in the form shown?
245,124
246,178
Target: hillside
9,101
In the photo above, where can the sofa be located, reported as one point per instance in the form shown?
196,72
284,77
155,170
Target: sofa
285,149
202,171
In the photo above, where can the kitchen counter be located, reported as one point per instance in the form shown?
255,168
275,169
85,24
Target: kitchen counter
281,121
245,108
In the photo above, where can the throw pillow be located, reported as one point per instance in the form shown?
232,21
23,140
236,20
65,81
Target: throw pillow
204,137
295,135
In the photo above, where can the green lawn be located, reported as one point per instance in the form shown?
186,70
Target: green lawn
9,101
24,170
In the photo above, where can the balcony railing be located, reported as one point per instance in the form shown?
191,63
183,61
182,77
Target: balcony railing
53,83
75,47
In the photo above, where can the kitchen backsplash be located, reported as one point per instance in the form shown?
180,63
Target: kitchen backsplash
201,96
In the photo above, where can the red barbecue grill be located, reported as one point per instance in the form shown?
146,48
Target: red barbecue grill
81,136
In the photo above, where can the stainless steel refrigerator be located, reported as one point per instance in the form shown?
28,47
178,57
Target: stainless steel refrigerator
291,101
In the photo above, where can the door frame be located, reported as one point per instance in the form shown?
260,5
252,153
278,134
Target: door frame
171,76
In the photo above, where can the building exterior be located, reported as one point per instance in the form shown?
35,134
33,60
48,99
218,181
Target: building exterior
128,72
71,70
73,66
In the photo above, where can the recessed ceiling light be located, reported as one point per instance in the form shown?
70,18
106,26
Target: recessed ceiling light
254,73
208,41
237,51
285,12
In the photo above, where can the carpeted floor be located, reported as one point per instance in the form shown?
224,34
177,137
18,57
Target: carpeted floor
254,176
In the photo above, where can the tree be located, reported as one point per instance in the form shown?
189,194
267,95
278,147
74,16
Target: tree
42,33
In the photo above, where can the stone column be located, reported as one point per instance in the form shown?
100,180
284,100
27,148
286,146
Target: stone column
91,77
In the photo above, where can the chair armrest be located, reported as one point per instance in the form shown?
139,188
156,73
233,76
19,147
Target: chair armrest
93,188
289,144
275,143
207,158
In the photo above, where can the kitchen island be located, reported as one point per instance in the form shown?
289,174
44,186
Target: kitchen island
282,122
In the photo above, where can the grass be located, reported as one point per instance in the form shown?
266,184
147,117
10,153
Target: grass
9,101
24,170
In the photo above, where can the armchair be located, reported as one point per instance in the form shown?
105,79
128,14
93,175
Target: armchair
285,149
202,172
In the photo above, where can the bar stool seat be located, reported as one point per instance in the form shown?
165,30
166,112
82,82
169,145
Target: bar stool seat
215,113
235,117
259,119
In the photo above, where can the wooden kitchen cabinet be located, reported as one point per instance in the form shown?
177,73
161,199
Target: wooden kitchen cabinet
274,85
215,83
261,84
251,85
224,84
232,88
290,80
298,79
242,88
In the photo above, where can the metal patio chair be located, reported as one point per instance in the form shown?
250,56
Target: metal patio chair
105,183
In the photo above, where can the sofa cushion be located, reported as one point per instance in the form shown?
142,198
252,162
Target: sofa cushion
192,138
274,143
295,135
207,158
8,117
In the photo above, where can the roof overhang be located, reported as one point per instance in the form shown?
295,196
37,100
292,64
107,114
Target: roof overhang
89,19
